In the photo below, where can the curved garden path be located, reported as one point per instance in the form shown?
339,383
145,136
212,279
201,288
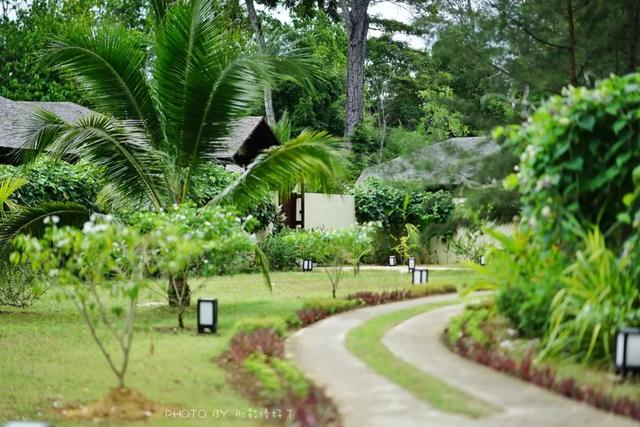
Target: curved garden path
365,398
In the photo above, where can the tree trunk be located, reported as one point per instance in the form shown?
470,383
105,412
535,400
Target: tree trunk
257,31
572,43
634,30
357,25
178,291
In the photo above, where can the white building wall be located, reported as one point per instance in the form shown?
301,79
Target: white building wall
328,211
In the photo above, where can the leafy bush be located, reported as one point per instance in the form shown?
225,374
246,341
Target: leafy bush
526,278
469,324
578,154
281,252
396,205
227,245
20,285
51,180
335,248
599,296
208,181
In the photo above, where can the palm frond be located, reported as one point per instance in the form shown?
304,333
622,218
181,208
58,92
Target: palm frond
263,261
134,168
40,133
109,66
159,8
203,82
8,186
30,220
206,79
312,158
283,128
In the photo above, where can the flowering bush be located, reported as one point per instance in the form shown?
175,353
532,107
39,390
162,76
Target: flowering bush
191,239
336,248
577,156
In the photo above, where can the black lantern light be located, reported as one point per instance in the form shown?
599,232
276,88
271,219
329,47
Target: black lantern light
411,263
392,261
307,265
628,351
419,276
207,315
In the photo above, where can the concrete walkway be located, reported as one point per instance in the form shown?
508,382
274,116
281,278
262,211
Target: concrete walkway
366,399
405,269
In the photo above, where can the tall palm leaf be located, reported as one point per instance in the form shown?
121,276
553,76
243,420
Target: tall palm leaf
110,67
311,157
31,220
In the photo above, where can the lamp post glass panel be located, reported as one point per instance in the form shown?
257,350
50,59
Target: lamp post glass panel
392,261
419,276
483,260
411,263
628,351
307,265
207,315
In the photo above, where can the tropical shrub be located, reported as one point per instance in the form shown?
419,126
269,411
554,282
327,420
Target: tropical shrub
526,278
197,240
336,248
282,252
599,296
101,269
396,205
276,324
20,285
49,180
578,153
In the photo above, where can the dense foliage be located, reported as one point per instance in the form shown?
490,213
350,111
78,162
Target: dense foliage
578,156
395,205
571,276
49,180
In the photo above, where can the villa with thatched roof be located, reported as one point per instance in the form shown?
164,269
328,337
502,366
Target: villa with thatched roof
249,136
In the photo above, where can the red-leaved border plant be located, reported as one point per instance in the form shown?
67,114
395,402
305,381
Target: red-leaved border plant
545,377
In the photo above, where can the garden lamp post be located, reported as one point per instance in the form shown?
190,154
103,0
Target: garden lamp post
207,315
392,261
483,260
419,276
307,265
628,351
411,263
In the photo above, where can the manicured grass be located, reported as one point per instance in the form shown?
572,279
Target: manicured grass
366,343
48,356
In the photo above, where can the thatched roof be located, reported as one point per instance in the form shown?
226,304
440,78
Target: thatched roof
12,114
249,135
445,164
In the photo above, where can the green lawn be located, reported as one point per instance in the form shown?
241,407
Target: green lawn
366,343
48,356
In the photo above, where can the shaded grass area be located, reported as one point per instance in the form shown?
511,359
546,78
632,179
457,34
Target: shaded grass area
365,342
47,357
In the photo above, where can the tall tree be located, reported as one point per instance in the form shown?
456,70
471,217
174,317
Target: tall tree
355,14
259,36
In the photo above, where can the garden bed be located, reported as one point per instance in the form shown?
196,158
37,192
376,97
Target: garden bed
490,340
256,367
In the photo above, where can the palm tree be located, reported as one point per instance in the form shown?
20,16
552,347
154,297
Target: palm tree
165,108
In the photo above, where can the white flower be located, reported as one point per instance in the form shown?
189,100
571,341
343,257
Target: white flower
546,211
